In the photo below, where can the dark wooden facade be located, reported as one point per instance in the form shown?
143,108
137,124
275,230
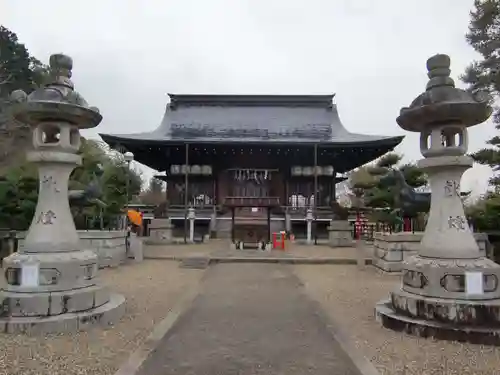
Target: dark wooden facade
252,145
207,191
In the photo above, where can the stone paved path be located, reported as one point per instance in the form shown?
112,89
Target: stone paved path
249,319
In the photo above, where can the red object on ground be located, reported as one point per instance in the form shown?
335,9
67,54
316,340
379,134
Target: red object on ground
279,243
358,227
407,224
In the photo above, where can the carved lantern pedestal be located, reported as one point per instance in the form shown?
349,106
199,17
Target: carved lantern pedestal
449,289
51,283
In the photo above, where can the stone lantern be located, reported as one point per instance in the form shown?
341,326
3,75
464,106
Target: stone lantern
448,290
51,283
309,220
191,216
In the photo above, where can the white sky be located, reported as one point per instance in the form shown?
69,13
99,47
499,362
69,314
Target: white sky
129,54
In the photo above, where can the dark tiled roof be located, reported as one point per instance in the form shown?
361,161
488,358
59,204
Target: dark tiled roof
250,118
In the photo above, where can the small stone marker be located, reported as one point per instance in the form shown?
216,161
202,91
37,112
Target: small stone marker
136,248
30,275
474,283
360,254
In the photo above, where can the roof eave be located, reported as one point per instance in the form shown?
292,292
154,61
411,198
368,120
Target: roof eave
389,141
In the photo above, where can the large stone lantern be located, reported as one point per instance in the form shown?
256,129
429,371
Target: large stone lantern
51,283
448,290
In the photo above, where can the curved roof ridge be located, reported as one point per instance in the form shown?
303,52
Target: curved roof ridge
312,101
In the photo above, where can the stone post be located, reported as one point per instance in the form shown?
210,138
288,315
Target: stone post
213,223
191,217
309,220
360,254
288,222
449,289
51,284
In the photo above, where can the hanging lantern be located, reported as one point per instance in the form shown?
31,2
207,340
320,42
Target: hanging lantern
328,171
319,170
307,171
175,169
184,169
296,171
195,169
206,170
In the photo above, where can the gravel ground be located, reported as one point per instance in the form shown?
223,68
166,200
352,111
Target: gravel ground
349,296
151,288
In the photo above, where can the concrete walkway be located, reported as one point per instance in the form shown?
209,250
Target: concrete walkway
249,319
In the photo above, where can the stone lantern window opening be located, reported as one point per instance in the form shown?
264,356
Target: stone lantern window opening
47,134
74,138
447,139
425,142
453,136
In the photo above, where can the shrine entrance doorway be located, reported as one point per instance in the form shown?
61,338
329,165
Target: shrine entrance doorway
251,200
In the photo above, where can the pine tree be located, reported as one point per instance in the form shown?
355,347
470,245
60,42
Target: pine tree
484,74
365,182
18,69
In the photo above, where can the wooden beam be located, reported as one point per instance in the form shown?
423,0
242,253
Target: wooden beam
315,189
186,191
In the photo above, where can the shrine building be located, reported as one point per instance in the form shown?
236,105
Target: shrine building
251,163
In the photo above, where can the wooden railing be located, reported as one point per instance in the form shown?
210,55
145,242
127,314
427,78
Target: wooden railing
252,201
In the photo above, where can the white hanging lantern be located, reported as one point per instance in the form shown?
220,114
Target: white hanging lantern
206,170
184,169
319,170
175,169
195,169
296,171
328,171
307,171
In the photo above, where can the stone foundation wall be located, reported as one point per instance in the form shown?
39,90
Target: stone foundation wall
391,249
160,232
110,246
339,234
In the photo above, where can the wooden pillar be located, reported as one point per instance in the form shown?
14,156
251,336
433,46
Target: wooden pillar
285,188
333,190
269,224
186,191
215,192
232,224
315,191
166,189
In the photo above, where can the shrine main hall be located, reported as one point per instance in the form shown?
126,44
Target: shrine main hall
251,161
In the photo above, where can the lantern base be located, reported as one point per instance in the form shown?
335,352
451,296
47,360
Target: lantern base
55,292
104,315
391,318
459,279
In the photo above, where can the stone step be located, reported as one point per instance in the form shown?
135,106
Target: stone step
195,263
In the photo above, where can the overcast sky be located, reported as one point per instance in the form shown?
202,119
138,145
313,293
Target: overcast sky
129,54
